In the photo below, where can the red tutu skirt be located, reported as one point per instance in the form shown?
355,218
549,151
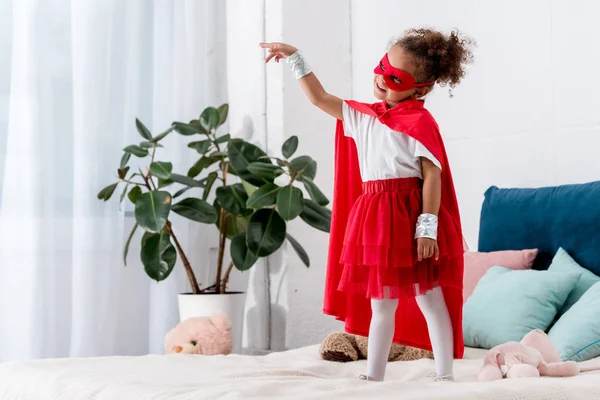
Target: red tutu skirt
380,251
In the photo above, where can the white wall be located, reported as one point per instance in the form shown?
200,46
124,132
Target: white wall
324,37
295,292
527,114
5,71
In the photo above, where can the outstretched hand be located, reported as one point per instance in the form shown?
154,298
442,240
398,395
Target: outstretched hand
278,50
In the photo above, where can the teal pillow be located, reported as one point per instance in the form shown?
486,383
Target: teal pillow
508,304
562,262
576,335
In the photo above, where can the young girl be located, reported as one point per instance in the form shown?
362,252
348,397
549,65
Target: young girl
395,263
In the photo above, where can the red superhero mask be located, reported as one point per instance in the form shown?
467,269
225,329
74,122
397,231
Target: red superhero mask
397,79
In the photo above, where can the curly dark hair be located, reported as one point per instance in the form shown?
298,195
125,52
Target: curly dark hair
438,57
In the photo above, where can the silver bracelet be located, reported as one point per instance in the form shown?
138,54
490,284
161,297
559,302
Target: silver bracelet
299,66
427,226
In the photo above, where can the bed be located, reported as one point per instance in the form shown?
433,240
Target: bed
302,374
292,374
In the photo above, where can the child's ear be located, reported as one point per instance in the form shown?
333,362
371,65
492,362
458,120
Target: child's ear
421,92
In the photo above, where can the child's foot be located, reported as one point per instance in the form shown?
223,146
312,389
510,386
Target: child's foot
439,378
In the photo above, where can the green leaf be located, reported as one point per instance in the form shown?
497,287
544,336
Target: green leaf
182,191
144,132
196,210
250,189
316,216
136,150
107,192
230,169
122,172
187,129
209,119
232,198
164,183
200,165
161,169
265,196
241,154
305,166
223,112
184,180
134,194
223,139
162,135
289,202
152,210
265,233
242,258
145,237
149,145
123,194
210,180
218,154
201,146
235,224
158,256
267,172
199,126
314,192
128,242
299,250
289,146
125,159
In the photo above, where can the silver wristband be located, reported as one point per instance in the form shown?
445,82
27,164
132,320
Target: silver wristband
299,66
427,226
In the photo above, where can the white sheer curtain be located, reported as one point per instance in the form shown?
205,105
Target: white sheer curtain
73,76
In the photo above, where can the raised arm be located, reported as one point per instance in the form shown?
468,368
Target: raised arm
313,89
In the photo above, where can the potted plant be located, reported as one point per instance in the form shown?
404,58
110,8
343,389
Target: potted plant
253,197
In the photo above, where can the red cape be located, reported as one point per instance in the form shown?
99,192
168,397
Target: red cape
411,118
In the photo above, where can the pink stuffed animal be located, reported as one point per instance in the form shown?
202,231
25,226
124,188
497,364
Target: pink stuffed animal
200,335
534,356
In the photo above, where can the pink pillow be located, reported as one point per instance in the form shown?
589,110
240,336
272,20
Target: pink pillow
477,264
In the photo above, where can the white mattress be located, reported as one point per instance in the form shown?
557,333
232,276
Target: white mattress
293,374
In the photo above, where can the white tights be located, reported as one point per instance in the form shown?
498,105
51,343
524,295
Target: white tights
439,325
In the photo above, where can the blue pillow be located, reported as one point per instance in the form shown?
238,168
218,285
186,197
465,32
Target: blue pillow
545,219
507,304
562,262
576,335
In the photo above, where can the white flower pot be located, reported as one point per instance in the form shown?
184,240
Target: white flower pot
205,305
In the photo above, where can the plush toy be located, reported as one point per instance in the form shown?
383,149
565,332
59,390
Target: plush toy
200,335
534,356
343,347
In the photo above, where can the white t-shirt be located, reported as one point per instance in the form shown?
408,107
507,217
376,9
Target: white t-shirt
382,152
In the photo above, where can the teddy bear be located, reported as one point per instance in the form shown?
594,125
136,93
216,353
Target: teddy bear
534,356
344,347
200,335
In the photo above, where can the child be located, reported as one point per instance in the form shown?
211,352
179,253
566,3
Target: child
395,263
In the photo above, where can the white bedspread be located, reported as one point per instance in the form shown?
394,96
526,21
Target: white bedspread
293,374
